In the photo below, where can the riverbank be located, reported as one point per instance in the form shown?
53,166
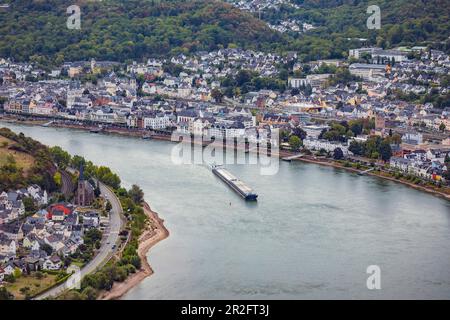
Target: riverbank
282,153
444,193
379,174
154,233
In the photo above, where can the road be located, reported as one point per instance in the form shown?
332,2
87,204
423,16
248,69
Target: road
110,237
67,186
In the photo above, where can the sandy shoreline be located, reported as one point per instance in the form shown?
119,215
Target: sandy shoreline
154,233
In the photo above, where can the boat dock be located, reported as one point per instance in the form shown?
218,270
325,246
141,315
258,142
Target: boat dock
48,124
96,129
362,173
295,156
237,185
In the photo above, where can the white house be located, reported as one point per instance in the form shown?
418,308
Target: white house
158,121
8,247
199,126
400,163
438,154
52,263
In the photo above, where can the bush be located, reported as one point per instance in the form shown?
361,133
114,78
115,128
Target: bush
5,294
89,293
130,268
10,278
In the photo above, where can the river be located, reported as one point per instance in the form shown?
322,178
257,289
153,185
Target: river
311,235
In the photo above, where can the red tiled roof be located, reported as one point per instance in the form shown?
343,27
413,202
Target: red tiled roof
60,208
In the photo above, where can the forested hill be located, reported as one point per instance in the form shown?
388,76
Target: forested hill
403,22
35,30
121,30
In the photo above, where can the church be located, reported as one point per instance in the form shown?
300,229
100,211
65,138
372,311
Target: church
85,192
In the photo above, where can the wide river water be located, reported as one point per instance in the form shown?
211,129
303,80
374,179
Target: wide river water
312,233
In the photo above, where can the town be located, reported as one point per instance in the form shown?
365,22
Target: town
41,238
386,108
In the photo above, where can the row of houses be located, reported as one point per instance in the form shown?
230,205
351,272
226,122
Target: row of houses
41,241
428,164
11,202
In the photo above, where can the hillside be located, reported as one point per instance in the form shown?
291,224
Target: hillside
403,22
24,161
35,30
120,30
8,154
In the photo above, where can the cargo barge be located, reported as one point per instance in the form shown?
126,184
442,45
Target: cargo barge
237,185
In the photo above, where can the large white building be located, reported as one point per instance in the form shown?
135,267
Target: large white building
313,131
379,54
329,146
367,71
156,122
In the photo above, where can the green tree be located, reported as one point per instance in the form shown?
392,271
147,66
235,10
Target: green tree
217,95
385,150
447,159
90,293
17,273
29,205
295,142
47,248
338,154
61,157
57,178
108,206
136,194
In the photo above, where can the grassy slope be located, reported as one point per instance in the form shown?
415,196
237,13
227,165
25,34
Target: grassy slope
23,160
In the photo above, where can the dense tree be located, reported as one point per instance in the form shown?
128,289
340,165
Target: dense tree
338,154
217,95
122,30
385,150
295,142
136,194
30,206
61,157
105,175
375,147
47,248
299,132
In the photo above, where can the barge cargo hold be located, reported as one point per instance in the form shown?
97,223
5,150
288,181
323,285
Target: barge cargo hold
237,185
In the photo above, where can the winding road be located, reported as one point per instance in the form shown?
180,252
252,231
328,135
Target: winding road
106,251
